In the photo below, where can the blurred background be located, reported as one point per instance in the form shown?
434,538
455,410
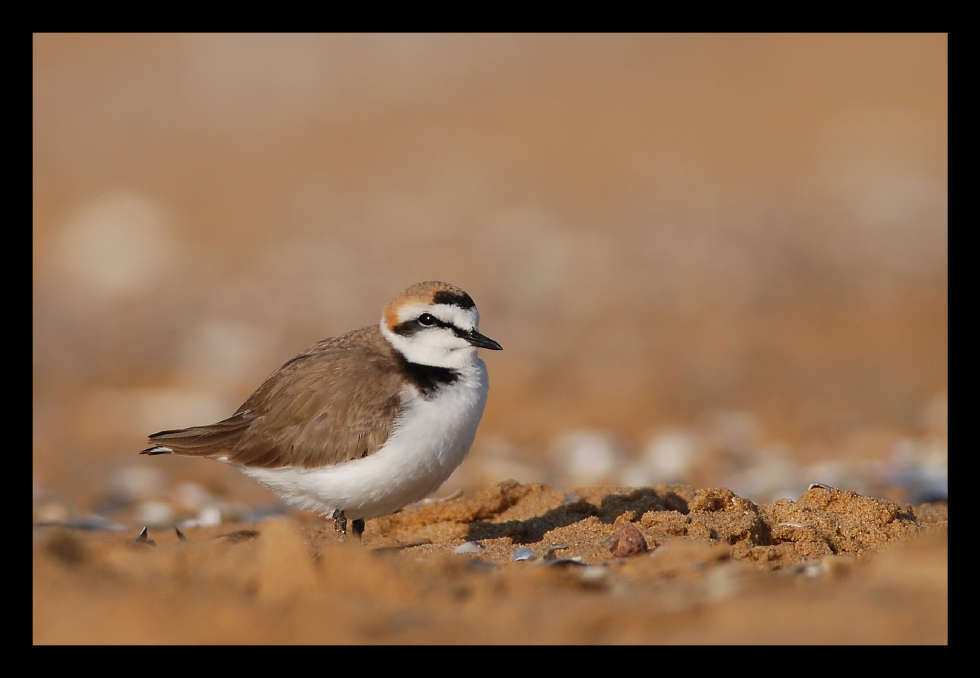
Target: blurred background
713,259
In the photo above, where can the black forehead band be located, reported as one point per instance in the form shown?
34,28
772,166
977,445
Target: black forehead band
445,297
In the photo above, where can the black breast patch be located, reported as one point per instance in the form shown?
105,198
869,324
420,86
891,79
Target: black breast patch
427,378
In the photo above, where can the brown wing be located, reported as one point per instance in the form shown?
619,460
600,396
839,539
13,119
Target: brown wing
335,402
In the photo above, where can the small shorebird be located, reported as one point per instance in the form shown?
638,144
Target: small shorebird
358,426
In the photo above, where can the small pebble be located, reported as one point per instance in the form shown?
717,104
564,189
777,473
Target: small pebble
627,542
722,582
95,523
587,455
155,513
812,570
523,553
208,517
260,513
469,547
550,555
671,455
563,562
137,482
395,548
593,574
238,536
192,496
51,512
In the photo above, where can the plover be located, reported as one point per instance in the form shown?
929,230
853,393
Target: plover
360,425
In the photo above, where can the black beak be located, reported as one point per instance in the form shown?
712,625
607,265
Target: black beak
482,341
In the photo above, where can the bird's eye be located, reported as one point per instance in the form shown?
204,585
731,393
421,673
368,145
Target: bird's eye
427,319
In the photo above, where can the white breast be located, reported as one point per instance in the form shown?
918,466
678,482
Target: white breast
429,442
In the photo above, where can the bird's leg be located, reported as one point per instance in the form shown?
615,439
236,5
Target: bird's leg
340,522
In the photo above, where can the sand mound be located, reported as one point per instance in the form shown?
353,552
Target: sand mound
516,564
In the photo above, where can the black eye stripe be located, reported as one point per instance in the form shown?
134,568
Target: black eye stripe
410,327
437,323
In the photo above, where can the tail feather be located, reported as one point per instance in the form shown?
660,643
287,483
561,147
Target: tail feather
199,441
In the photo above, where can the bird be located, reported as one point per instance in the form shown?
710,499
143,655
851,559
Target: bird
362,424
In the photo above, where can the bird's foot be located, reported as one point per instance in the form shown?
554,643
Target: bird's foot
340,525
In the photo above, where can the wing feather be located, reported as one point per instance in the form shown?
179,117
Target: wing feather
335,402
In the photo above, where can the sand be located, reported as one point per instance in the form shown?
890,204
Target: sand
665,564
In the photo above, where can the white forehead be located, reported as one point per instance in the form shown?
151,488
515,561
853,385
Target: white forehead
463,318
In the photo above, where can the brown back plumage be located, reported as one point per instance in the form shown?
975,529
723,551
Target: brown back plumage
335,402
